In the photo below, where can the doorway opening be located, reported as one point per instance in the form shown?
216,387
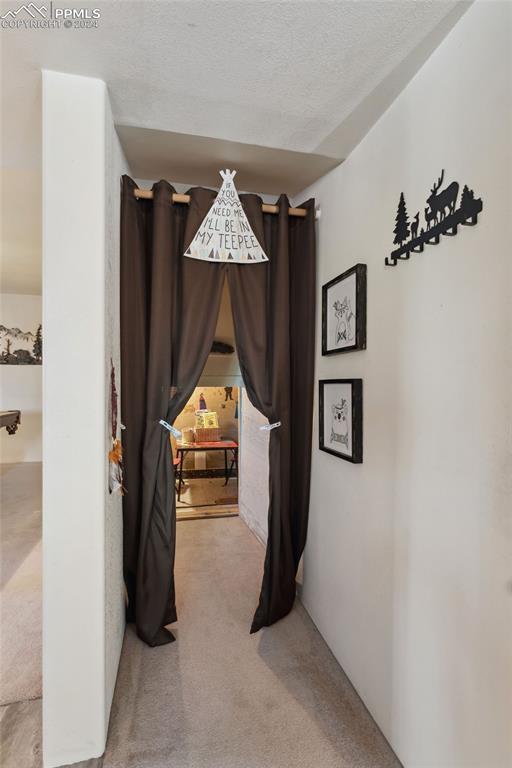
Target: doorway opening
206,456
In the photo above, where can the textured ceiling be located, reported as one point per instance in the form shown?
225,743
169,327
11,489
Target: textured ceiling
274,74
307,76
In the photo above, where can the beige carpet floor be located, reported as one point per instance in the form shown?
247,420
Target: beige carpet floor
219,697
20,582
222,698
21,744
200,491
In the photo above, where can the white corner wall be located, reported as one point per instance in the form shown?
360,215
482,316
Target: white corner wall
83,614
253,481
407,569
115,167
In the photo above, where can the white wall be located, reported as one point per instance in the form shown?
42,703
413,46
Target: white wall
115,165
253,494
223,370
82,532
408,561
20,385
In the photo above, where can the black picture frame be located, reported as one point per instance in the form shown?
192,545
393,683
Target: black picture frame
355,455
359,270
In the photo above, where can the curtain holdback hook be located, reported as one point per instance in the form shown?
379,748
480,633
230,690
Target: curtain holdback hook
269,427
174,432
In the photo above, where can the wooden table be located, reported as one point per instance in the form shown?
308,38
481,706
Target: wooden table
219,445
10,420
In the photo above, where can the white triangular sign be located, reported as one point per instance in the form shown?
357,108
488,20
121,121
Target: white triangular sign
225,234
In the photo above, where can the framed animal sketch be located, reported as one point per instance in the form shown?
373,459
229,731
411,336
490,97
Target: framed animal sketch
341,418
344,312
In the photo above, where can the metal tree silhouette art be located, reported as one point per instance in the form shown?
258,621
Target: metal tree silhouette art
401,229
441,218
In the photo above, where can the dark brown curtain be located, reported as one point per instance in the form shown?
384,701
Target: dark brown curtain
169,309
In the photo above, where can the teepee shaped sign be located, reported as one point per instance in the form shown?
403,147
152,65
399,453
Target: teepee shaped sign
225,234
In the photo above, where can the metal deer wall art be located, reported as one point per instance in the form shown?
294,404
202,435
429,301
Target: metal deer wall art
442,217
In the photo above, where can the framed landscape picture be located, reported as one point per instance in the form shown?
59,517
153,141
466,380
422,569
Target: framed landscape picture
344,312
341,418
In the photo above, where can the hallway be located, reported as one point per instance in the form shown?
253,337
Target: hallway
221,698
20,583
20,611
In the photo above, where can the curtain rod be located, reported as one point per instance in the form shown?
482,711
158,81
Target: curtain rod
147,194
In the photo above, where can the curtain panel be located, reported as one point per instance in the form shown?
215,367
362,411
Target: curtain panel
169,309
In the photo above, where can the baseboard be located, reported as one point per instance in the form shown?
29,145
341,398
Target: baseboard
192,474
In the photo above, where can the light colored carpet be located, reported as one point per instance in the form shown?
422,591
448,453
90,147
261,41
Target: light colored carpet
222,698
21,735
199,491
20,581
